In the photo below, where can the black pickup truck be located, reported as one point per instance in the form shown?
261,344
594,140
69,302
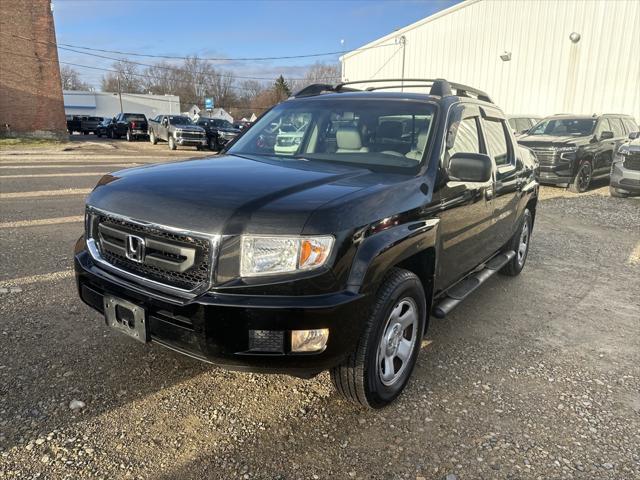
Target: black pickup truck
132,126
393,209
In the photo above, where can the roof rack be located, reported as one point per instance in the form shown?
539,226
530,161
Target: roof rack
438,87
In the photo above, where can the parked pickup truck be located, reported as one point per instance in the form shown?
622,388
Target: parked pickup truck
132,126
176,130
219,132
393,209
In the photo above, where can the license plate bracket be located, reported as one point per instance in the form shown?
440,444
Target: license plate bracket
126,317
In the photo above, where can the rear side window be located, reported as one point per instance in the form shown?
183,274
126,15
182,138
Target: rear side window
616,125
630,125
497,141
467,139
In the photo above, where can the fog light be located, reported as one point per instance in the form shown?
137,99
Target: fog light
309,340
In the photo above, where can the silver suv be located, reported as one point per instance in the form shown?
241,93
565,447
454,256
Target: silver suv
625,169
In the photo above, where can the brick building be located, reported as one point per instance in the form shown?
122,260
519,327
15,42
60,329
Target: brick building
31,101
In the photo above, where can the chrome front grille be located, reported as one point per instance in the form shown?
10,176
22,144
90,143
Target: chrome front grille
546,156
632,162
192,135
161,255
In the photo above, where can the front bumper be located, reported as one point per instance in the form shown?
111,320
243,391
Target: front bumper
218,328
555,174
625,180
191,142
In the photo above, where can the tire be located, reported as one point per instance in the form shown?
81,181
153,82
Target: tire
130,137
519,243
152,138
172,143
582,180
360,378
211,144
98,134
614,193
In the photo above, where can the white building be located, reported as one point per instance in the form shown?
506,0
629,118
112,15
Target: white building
105,104
531,56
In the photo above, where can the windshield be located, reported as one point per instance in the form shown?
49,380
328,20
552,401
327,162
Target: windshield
179,120
384,133
565,126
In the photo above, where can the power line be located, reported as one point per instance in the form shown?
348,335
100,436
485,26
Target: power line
115,71
174,69
213,59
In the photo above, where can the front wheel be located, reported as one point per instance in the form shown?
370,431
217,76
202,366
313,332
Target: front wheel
152,138
582,180
172,143
380,367
520,244
211,143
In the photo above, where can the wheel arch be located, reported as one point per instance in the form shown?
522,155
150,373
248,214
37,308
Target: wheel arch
413,247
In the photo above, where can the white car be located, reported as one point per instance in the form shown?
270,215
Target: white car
288,139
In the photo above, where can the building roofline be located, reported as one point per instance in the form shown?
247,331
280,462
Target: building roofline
396,33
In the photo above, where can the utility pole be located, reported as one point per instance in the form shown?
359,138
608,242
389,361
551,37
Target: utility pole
120,93
403,42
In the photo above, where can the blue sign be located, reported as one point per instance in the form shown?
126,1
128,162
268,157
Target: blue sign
208,103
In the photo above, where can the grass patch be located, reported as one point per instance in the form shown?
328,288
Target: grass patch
25,142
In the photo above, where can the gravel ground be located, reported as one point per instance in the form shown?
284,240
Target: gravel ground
536,377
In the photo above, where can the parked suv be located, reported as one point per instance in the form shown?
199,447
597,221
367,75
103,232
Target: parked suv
334,256
130,125
90,125
176,130
573,150
219,132
625,170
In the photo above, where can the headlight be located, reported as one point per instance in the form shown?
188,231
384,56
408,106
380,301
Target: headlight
263,255
177,133
619,156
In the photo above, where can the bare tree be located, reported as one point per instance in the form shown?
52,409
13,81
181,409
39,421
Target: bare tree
130,78
319,73
71,79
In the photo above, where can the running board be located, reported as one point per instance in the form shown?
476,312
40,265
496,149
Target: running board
456,294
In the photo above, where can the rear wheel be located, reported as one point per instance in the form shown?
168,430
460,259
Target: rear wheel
172,143
380,367
130,137
582,180
520,244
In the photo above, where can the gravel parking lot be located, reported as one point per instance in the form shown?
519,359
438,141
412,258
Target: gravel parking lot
534,377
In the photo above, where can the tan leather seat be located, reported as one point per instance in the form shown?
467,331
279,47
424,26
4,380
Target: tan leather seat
421,143
349,141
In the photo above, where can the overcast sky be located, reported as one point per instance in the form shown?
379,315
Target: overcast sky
231,29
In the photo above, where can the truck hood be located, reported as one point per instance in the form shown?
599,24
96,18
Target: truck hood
231,195
533,141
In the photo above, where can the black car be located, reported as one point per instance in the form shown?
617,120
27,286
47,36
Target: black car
74,123
90,125
103,127
394,208
132,126
219,132
575,149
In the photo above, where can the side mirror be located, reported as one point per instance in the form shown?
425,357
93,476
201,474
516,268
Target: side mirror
634,135
470,167
606,135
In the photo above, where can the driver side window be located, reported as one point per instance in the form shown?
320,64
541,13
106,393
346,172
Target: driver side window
466,139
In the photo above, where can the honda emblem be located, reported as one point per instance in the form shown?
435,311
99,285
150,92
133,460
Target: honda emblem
135,248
